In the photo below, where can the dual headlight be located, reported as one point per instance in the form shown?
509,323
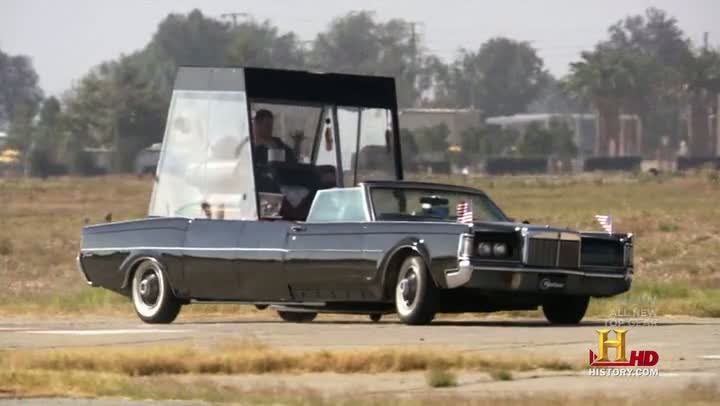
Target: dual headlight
492,249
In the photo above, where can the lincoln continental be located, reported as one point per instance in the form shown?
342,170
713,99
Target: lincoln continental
285,189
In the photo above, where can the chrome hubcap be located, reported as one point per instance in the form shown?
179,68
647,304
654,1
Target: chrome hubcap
149,288
408,287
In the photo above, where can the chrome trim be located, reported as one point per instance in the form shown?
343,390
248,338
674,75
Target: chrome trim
78,263
122,249
461,246
253,302
568,236
455,277
459,276
559,236
544,235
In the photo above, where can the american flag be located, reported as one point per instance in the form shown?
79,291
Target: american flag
464,212
605,222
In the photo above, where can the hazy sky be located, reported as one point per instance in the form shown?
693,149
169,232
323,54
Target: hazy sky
67,37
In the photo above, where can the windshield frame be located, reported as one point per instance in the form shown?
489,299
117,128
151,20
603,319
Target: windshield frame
431,189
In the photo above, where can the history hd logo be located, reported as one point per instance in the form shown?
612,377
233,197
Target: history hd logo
639,362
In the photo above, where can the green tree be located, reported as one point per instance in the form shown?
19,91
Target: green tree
501,78
702,86
613,81
19,88
656,37
487,141
432,139
554,140
357,43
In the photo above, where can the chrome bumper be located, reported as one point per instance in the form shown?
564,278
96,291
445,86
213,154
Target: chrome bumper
461,275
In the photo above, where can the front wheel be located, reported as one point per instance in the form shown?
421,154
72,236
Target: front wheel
297,317
565,309
152,296
415,292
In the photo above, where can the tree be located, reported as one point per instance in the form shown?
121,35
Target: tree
555,139
614,81
18,86
501,78
702,86
432,139
488,141
656,37
356,43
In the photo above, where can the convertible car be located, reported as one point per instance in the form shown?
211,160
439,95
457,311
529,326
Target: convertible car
245,210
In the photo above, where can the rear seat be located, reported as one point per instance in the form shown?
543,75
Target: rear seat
299,183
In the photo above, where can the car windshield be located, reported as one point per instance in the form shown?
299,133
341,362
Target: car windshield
407,204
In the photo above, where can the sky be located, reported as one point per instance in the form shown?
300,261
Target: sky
65,38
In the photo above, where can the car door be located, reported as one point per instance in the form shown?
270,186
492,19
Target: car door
327,262
236,260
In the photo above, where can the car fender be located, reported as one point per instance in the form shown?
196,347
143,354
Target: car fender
133,259
398,252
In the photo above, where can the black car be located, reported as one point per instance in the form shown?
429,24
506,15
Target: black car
254,211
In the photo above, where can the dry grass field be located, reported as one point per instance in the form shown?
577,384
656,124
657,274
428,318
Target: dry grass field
676,220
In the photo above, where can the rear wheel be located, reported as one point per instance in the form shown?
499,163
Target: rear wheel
297,317
375,317
152,296
415,292
565,309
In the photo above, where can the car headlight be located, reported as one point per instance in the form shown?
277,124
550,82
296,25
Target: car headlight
484,249
500,249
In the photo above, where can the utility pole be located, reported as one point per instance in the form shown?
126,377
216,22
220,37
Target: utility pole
234,17
414,53
706,37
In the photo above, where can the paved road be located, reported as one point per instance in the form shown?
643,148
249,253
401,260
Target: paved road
689,348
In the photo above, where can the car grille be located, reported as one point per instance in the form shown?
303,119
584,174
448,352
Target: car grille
561,250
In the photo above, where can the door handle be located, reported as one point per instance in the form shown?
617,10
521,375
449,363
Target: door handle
297,227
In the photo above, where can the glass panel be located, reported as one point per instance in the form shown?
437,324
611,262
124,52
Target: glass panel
369,156
375,158
348,128
205,165
338,205
425,204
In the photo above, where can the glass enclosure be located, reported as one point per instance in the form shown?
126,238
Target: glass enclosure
260,143
405,204
205,168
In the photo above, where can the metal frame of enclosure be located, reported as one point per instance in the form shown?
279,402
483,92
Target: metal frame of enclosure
207,146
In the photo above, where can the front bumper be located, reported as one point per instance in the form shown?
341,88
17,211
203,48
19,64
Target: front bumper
518,278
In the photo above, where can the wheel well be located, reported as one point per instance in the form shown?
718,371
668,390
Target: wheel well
392,269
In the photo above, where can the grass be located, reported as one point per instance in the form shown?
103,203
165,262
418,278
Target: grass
440,378
77,384
502,375
674,219
250,357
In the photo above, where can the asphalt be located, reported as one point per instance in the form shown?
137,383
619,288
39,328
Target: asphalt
688,348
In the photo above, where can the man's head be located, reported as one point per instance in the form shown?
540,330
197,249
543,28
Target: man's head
263,125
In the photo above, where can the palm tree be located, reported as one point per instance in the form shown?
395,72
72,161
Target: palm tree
615,81
702,86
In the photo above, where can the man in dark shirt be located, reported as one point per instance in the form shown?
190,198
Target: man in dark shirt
267,146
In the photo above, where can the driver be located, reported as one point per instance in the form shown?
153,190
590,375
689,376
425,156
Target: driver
265,143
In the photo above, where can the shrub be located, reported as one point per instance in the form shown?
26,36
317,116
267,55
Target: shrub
440,378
